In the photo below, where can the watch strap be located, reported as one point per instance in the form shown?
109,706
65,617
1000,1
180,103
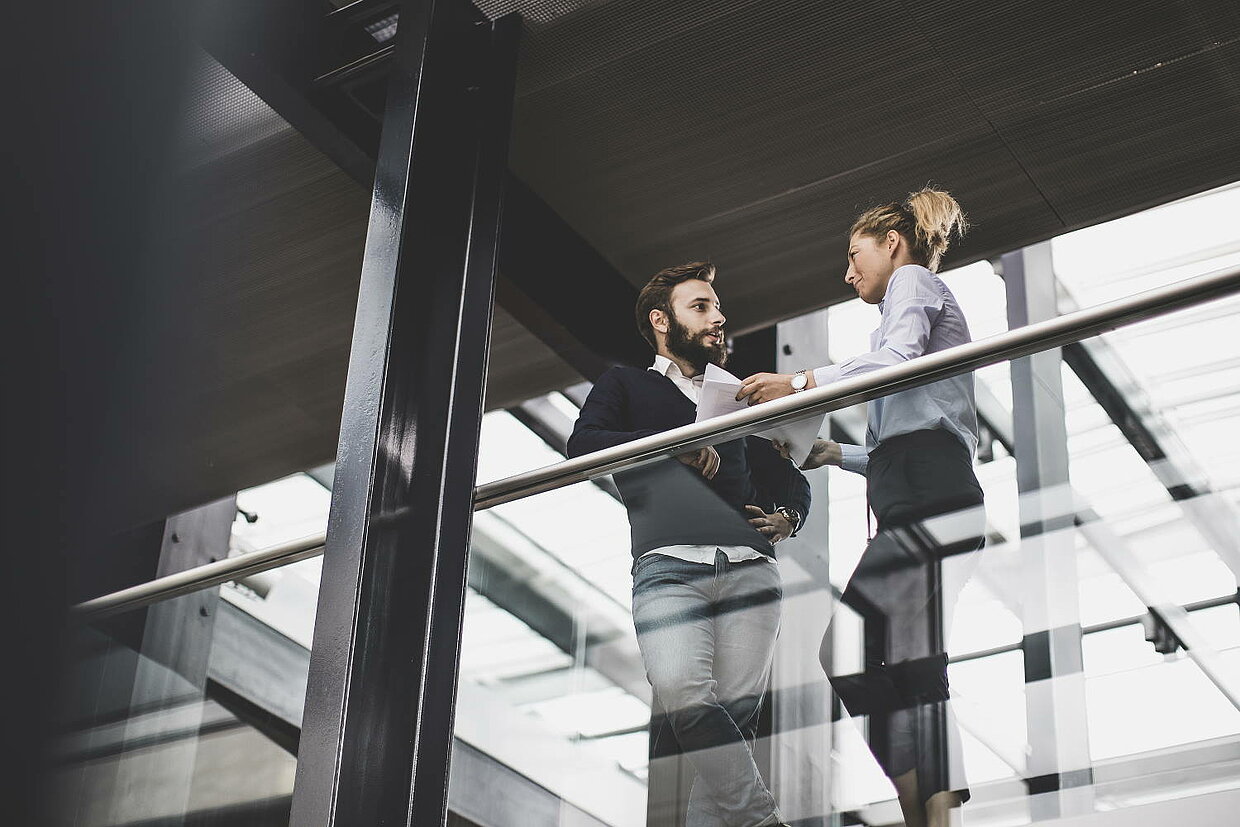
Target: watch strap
792,516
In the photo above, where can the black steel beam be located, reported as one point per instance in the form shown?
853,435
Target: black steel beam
319,71
515,596
277,48
378,721
549,273
248,713
1130,423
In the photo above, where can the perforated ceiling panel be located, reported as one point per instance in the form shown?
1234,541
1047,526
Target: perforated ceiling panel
534,12
745,131
752,132
220,115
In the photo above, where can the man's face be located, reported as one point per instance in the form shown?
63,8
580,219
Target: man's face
695,328
869,267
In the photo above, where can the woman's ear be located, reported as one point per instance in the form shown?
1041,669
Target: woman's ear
893,242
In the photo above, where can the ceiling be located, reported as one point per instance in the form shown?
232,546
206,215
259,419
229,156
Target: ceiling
747,132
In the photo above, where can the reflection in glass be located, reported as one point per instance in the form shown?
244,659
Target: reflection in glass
163,721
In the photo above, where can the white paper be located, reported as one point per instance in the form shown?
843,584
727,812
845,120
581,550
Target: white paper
718,397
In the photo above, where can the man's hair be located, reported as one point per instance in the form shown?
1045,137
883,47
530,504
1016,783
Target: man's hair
657,294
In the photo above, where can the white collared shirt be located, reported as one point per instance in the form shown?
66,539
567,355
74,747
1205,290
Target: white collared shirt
691,386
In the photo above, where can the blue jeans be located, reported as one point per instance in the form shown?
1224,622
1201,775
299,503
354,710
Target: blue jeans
707,637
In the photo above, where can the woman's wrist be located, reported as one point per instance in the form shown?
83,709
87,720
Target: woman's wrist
835,454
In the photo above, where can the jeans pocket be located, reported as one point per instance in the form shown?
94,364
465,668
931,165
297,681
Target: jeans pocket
644,562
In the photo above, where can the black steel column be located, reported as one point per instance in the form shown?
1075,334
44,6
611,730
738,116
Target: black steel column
378,720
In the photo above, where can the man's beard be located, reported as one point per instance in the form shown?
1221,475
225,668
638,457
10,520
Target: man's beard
694,350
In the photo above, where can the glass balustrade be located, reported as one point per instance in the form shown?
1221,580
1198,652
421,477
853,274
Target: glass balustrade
1092,644
1069,648
185,712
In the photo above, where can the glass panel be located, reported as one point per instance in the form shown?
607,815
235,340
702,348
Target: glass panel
189,711
551,682
608,683
186,712
1064,647
1175,703
292,508
1063,642
1149,249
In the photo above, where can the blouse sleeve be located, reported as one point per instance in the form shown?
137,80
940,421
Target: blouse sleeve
910,309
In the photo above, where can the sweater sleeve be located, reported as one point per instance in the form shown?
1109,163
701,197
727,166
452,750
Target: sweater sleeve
776,478
604,420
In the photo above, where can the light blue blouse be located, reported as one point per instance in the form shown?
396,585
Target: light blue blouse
919,316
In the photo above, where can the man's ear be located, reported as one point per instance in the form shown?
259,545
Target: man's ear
658,320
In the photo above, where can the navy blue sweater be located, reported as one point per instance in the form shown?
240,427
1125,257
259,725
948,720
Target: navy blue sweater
668,502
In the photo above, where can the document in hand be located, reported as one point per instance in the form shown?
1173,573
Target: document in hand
718,397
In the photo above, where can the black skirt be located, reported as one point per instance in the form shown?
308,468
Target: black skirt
913,477
897,588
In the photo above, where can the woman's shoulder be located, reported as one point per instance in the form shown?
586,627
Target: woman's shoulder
914,280
914,274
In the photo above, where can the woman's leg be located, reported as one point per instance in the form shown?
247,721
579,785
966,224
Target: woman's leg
899,585
903,689
872,692
943,809
909,796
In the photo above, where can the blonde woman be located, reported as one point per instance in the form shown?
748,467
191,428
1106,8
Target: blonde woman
918,464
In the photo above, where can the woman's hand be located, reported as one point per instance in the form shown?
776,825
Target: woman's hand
774,527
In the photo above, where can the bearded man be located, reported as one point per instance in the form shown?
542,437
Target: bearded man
706,589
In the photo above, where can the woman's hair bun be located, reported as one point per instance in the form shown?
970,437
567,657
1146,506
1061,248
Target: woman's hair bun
936,216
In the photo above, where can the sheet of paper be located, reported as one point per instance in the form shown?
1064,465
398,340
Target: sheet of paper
718,397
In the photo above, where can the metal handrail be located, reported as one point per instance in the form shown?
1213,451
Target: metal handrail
923,370
200,577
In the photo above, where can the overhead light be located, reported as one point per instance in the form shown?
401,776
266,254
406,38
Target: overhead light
382,30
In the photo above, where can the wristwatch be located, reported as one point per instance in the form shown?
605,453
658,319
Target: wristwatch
799,381
792,516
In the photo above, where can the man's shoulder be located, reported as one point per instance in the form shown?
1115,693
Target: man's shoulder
625,370
622,382
624,375
639,386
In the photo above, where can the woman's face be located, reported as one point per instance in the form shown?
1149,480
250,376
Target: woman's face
870,265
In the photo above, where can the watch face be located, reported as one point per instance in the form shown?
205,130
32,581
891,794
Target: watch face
799,381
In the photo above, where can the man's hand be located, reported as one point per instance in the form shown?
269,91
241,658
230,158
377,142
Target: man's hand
763,387
774,527
705,460
824,452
